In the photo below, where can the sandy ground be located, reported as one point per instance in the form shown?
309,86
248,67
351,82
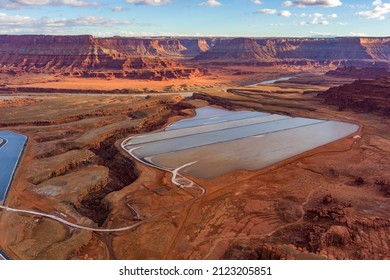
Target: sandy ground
215,78
328,203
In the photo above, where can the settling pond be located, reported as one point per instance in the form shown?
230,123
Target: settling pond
11,148
221,141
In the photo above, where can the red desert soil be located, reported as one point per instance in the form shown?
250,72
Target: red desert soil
216,77
330,203
15,101
177,64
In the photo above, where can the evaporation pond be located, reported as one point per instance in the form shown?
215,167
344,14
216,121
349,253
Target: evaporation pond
221,141
11,148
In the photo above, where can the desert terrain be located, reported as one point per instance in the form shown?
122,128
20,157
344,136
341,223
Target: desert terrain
328,203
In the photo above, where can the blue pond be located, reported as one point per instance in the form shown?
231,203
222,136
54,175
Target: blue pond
217,141
11,148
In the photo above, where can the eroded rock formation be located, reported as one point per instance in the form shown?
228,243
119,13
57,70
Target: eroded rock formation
86,56
359,73
361,96
171,58
326,51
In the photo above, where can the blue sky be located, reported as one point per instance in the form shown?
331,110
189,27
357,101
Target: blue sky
249,18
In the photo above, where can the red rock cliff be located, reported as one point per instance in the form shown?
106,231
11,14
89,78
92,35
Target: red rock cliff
84,55
369,96
39,53
344,51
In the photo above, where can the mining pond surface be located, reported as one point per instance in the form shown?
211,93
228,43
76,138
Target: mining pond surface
11,148
220,141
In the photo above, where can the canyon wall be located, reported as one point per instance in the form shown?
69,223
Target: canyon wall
358,73
165,58
337,51
364,96
98,57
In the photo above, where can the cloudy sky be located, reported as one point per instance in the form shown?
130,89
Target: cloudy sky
251,18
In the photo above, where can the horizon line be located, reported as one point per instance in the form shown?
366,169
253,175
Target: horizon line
201,36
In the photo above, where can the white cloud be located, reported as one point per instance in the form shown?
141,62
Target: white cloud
149,2
285,14
324,3
23,24
317,19
13,20
287,4
320,34
119,9
18,4
257,2
333,16
357,6
266,11
211,3
358,34
379,12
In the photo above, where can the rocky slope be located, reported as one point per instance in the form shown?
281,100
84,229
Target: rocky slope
236,49
161,47
362,96
165,58
97,57
359,73
338,51
47,52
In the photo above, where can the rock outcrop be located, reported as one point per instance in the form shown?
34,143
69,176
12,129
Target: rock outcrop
87,56
161,47
167,58
359,73
369,96
328,51
32,53
237,49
